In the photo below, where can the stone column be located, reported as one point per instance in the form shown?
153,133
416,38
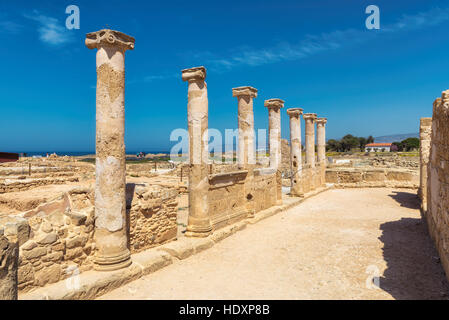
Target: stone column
425,131
274,131
321,139
246,150
309,119
199,224
111,240
321,150
310,176
9,264
295,153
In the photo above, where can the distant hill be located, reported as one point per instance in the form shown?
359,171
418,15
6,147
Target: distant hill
396,137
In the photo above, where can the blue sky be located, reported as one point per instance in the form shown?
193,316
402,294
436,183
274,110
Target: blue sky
317,55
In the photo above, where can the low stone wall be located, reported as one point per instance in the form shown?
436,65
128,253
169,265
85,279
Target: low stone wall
234,196
264,189
312,178
56,239
24,170
438,180
152,213
227,198
9,257
15,185
381,177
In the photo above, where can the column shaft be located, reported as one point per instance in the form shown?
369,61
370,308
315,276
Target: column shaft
111,236
321,140
295,153
274,131
321,150
245,153
198,224
310,139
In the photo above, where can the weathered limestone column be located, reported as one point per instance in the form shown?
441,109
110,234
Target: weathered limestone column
321,149
111,238
295,153
274,127
9,264
274,130
246,150
321,139
245,95
425,131
199,224
309,119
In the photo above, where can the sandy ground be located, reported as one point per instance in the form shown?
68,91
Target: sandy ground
331,246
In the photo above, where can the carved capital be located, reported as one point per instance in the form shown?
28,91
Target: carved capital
309,116
294,112
322,121
244,91
109,38
274,103
194,74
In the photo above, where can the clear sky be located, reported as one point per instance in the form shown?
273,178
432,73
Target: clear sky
317,55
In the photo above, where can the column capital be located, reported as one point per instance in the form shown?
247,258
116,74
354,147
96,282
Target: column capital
194,74
294,112
322,121
309,116
109,38
244,91
274,103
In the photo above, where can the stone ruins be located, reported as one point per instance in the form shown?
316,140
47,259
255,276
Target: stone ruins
68,219
63,217
434,191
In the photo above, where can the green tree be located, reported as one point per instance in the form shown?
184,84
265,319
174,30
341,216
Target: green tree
362,143
349,142
333,145
410,144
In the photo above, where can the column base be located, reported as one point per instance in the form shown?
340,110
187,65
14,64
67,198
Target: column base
112,263
198,232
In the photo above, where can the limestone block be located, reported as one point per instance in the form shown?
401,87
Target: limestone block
9,257
180,249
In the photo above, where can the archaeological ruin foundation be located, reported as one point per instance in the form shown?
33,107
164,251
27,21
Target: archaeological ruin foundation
68,217
62,217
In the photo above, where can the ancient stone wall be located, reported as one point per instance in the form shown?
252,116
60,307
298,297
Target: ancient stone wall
425,130
56,239
438,180
228,201
152,215
366,177
9,257
226,197
265,186
14,185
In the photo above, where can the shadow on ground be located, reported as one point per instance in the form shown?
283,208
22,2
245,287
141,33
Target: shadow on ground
406,199
413,267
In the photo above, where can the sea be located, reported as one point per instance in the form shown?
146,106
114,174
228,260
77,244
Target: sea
83,153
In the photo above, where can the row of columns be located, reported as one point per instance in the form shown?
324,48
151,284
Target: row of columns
295,144
110,184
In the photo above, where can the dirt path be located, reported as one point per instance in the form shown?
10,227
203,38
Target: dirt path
326,248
